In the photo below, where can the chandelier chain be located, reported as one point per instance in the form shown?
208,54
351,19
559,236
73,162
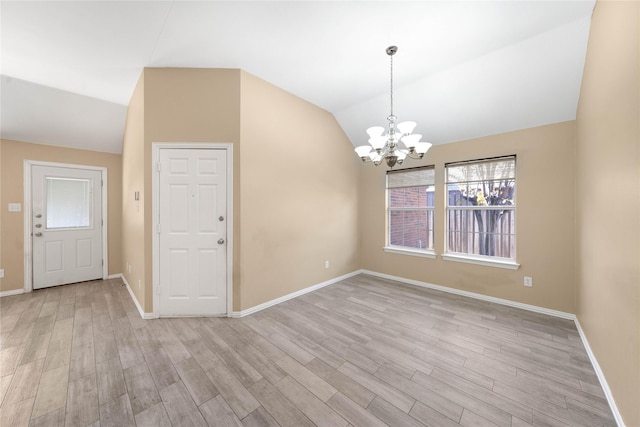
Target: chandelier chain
391,91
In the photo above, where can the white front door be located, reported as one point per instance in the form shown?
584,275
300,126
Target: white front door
192,232
66,225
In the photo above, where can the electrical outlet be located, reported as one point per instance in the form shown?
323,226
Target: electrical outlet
326,264
1,273
128,268
528,281
139,283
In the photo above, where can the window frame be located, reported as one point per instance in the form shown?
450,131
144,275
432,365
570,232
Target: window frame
486,260
407,250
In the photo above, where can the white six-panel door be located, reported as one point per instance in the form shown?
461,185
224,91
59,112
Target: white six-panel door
192,232
66,209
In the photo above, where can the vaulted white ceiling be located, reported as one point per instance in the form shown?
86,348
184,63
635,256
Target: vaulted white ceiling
463,69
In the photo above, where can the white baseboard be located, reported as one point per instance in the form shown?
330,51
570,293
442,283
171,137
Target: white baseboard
144,315
501,301
474,295
601,378
292,295
13,292
528,307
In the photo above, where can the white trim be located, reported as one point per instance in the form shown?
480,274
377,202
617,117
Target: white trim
486,261
155,214
144,315
230,216
13,292
156,147
105,222
425,253
28,250
474,295
292,295
528,307
600,375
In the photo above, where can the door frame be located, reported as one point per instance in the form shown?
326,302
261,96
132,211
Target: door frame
28,247
155,190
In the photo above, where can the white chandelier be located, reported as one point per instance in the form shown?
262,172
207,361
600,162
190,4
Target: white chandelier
399,143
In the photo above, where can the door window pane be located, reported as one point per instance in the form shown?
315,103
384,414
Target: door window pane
68,203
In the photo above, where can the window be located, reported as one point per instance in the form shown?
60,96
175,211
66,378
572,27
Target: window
481,208
68,203
410,202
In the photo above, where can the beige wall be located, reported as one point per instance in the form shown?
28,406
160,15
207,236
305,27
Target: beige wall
299,181
608,201
1,210
188,105
578,204
168,105
14,154
544,220
276,249
133,174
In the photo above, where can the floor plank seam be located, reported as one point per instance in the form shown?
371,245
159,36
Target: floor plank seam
365,351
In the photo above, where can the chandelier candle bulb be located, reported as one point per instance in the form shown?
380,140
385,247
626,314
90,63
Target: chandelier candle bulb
411,140
423,147
406,128
377,142
363,151
375,131
387,147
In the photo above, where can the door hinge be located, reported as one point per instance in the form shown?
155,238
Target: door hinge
102,222
158,166
103,263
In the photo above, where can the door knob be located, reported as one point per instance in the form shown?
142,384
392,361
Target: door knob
38,215
38,234
221,241
38,225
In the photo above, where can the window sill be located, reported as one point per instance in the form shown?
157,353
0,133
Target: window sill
508,264
425,253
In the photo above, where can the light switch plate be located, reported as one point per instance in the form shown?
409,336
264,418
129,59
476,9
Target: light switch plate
1,273
15,207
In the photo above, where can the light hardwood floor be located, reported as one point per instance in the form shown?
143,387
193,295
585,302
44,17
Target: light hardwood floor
362,352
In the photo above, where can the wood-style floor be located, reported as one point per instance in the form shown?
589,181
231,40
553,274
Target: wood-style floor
363,352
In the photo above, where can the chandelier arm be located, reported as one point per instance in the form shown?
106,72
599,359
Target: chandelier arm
383,151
